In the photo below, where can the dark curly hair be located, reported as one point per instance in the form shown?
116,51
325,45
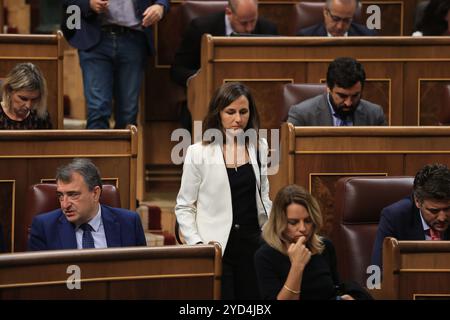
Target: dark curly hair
432,182
345,72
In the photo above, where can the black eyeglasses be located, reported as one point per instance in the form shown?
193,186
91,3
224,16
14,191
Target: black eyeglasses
337,19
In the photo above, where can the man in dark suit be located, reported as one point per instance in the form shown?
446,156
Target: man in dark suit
337,21
240,16
342,104
82,222
113,42
423,216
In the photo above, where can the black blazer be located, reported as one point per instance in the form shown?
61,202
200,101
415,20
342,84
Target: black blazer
319,30
187,57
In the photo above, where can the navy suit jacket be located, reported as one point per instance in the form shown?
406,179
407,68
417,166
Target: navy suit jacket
187,57
89,34
319,30
402,221
52,231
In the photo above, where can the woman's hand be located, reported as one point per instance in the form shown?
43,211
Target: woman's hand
298,253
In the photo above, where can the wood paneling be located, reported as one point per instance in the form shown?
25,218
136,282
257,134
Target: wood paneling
415,270
171,272
27,157
394,69
396,20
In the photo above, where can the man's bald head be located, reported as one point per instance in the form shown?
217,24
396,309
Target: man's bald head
338,16
242,14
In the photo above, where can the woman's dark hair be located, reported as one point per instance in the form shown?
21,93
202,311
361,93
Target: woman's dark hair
433,22
222,98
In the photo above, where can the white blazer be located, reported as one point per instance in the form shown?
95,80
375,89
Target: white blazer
204,209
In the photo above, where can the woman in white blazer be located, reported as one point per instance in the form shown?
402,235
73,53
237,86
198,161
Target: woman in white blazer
224,193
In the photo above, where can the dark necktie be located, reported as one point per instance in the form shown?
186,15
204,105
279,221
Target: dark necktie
88,240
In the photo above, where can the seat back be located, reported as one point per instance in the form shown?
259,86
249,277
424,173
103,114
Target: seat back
194,9
359,201
307,14
444,114
294,93
41,198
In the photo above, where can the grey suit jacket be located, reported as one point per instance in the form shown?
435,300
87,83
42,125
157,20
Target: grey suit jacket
316,112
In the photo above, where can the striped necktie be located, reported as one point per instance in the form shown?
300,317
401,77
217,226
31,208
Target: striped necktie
88,240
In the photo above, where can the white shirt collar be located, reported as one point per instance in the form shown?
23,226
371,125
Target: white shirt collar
425,225
228,28
96,221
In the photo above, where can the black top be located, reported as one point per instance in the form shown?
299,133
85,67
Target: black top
320,276
243,195
29,123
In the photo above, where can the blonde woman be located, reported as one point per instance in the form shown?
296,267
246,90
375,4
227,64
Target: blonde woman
24,99
295,262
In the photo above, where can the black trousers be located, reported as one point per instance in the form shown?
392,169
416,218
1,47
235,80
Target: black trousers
238,267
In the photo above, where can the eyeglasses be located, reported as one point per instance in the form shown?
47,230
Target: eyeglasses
337,19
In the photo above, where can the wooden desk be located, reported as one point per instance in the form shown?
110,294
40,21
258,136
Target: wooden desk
415,270
405,75
29,157
45,51
170,272
316,157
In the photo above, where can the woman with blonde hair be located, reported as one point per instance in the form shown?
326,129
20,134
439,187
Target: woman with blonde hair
24,99
295,262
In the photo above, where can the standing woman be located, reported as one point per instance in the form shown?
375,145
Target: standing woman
224,193
24,99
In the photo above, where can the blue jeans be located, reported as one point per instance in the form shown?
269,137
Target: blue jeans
114,68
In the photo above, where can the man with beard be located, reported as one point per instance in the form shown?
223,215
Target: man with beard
342,104
424,215
82,222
